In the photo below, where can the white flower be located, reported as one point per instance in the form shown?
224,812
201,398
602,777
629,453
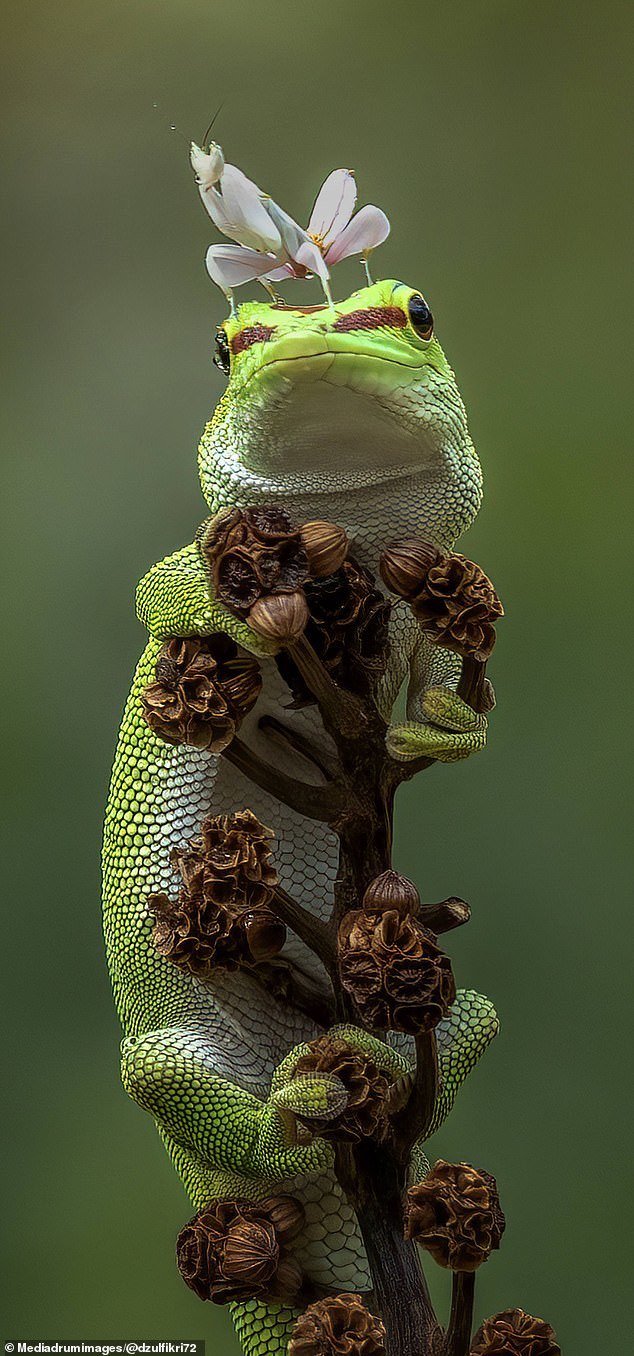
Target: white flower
332,225
270,245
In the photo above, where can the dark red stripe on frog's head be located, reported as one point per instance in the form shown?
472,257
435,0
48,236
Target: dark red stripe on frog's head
252,334
374,318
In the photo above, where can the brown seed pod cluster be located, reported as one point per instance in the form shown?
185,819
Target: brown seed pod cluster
238,1250
259,563
252,552
202,691
390,964
366,1086
340,1325
221,917
515,1333
347,626
394,971
452,598
455,1214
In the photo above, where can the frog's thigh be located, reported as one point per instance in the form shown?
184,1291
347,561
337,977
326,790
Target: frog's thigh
170,1074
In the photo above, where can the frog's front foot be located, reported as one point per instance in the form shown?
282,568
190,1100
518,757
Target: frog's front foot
175,598
452,730
285,1146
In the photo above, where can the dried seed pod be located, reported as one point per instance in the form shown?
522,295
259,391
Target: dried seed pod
348,629
512,1332
221,917
455,1214
457,606
202,691
392,891
340,1325
366,1085
404,566
326,546
393,969
252,553
281,617
237,1250
452,598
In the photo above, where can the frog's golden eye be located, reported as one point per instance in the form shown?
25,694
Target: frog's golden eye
420,316
221,356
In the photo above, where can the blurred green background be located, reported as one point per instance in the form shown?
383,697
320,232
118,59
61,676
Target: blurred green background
491,132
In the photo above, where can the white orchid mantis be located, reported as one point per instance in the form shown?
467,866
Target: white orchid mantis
270,245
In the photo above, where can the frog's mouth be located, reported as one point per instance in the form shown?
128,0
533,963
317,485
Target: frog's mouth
351,359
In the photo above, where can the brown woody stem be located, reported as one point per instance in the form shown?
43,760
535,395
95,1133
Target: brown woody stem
343,710
400,1289
458,1339
443,917
300,744
403,772
413,1120
316,802
358,805
474,686
316,935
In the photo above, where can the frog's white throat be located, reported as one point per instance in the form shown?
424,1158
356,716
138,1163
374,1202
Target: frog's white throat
351,429
337,412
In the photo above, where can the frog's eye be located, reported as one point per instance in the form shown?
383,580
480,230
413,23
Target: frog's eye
221,356
420,316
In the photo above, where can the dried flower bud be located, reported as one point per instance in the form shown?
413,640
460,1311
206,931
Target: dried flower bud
452,598
202,692
326,546
404,566
236,1250
280,616
392,891
457,606
455,1214
348,629
393,969
367,1088
221,917
252,553
514,1333
338,1326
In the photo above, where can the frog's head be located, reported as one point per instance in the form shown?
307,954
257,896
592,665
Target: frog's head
360,386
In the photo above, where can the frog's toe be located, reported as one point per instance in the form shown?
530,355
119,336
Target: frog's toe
320,1096
453,730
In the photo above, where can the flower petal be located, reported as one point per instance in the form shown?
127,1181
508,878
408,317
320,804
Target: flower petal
311,257
333,206
239,210
278,274
231,265
292,235
369,228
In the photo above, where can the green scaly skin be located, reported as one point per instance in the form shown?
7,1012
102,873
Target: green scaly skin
341,413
